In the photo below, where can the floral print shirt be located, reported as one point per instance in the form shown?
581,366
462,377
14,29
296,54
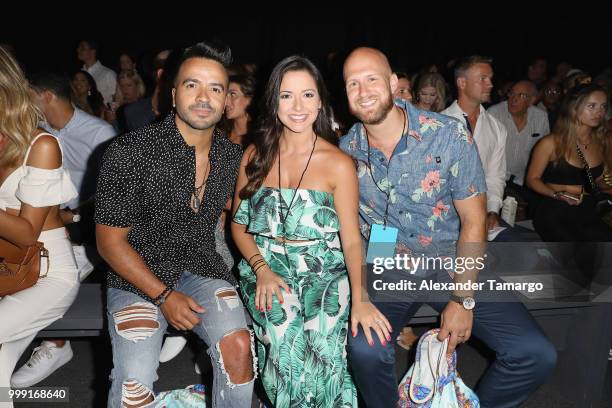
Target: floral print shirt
434,163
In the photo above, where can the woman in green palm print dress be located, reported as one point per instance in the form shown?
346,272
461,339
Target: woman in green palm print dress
296,225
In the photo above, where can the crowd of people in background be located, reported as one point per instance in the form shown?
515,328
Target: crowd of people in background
544,139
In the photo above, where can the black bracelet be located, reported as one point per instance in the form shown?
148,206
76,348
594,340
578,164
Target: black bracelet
158,301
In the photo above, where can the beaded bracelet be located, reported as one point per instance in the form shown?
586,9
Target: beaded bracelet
158,301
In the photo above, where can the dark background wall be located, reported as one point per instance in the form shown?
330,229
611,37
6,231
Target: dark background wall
413,37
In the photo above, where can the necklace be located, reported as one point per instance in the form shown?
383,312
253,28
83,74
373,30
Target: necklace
196,201
386,193
283,217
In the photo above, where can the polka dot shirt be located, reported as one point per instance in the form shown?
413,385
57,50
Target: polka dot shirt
146,183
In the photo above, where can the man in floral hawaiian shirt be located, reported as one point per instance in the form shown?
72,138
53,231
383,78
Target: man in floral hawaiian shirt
421,172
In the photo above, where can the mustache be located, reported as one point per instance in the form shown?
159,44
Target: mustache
202,105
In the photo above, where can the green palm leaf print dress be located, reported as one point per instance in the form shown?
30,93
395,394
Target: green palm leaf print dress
300,343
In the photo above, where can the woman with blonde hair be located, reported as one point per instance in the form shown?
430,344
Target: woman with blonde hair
33,184
430,92
571,164
130,88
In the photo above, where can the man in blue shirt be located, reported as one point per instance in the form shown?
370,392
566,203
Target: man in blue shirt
419,172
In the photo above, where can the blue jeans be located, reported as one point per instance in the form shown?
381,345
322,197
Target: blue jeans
524,356
136,351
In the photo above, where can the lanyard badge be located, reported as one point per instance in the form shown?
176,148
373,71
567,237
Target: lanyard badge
382,237
381,243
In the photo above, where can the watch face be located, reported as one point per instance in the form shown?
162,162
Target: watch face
469,303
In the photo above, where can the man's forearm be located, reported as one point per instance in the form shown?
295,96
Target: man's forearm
471,248
128,264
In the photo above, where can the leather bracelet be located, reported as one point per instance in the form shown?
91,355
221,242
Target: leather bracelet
159,300
257,263
258,254
260,266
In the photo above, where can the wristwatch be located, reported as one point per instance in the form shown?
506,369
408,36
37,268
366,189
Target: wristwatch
467,302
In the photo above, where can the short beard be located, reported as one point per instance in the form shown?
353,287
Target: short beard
379,116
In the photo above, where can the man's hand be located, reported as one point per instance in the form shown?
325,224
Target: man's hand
492,220
179,311
456,324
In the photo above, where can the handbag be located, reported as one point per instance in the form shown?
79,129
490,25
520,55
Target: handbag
603,201
432,381
20,266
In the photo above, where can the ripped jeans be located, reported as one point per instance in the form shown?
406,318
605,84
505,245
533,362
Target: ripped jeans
136,345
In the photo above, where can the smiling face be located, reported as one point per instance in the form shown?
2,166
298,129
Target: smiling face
369,86
236,103
80,84
404,90
593,109
199,93
299,101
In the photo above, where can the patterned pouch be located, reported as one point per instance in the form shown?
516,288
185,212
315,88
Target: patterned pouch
193,396
433,381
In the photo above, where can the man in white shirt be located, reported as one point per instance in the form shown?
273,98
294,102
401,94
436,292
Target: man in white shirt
525,125
106,78
473,77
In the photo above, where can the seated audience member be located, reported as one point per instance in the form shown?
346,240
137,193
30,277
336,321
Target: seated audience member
525,125
33,185
404,87
430,92
85,94
473,77
568,164
80,136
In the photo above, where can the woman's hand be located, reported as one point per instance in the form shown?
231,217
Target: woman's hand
567,198
268,283
366,314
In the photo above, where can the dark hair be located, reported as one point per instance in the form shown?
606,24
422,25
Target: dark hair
402,74
94,97
92,44
214,50
271,128
248,85
466,63
55,83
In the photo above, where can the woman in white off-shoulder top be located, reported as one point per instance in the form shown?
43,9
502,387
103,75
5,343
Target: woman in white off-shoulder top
33,184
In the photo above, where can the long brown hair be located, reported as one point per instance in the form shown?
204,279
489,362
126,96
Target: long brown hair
271,128
564,134
19,116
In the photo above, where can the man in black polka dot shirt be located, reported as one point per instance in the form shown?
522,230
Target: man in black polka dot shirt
160,193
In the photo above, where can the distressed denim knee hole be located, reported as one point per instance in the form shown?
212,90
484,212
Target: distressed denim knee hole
232,337
136,322
229,297
134,394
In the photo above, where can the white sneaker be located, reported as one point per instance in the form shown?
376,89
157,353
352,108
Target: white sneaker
196,368
171,348
45,359
84,265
